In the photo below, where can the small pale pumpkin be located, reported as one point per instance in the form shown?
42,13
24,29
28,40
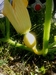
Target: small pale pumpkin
29,40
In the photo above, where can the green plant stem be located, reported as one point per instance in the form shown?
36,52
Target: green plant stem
52,50
7,29
47,26
16,44
52,45
23,47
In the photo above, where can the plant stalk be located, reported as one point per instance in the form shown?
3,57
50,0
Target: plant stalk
7,29
47,26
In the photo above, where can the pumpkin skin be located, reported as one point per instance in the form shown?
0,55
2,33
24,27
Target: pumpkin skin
29,40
